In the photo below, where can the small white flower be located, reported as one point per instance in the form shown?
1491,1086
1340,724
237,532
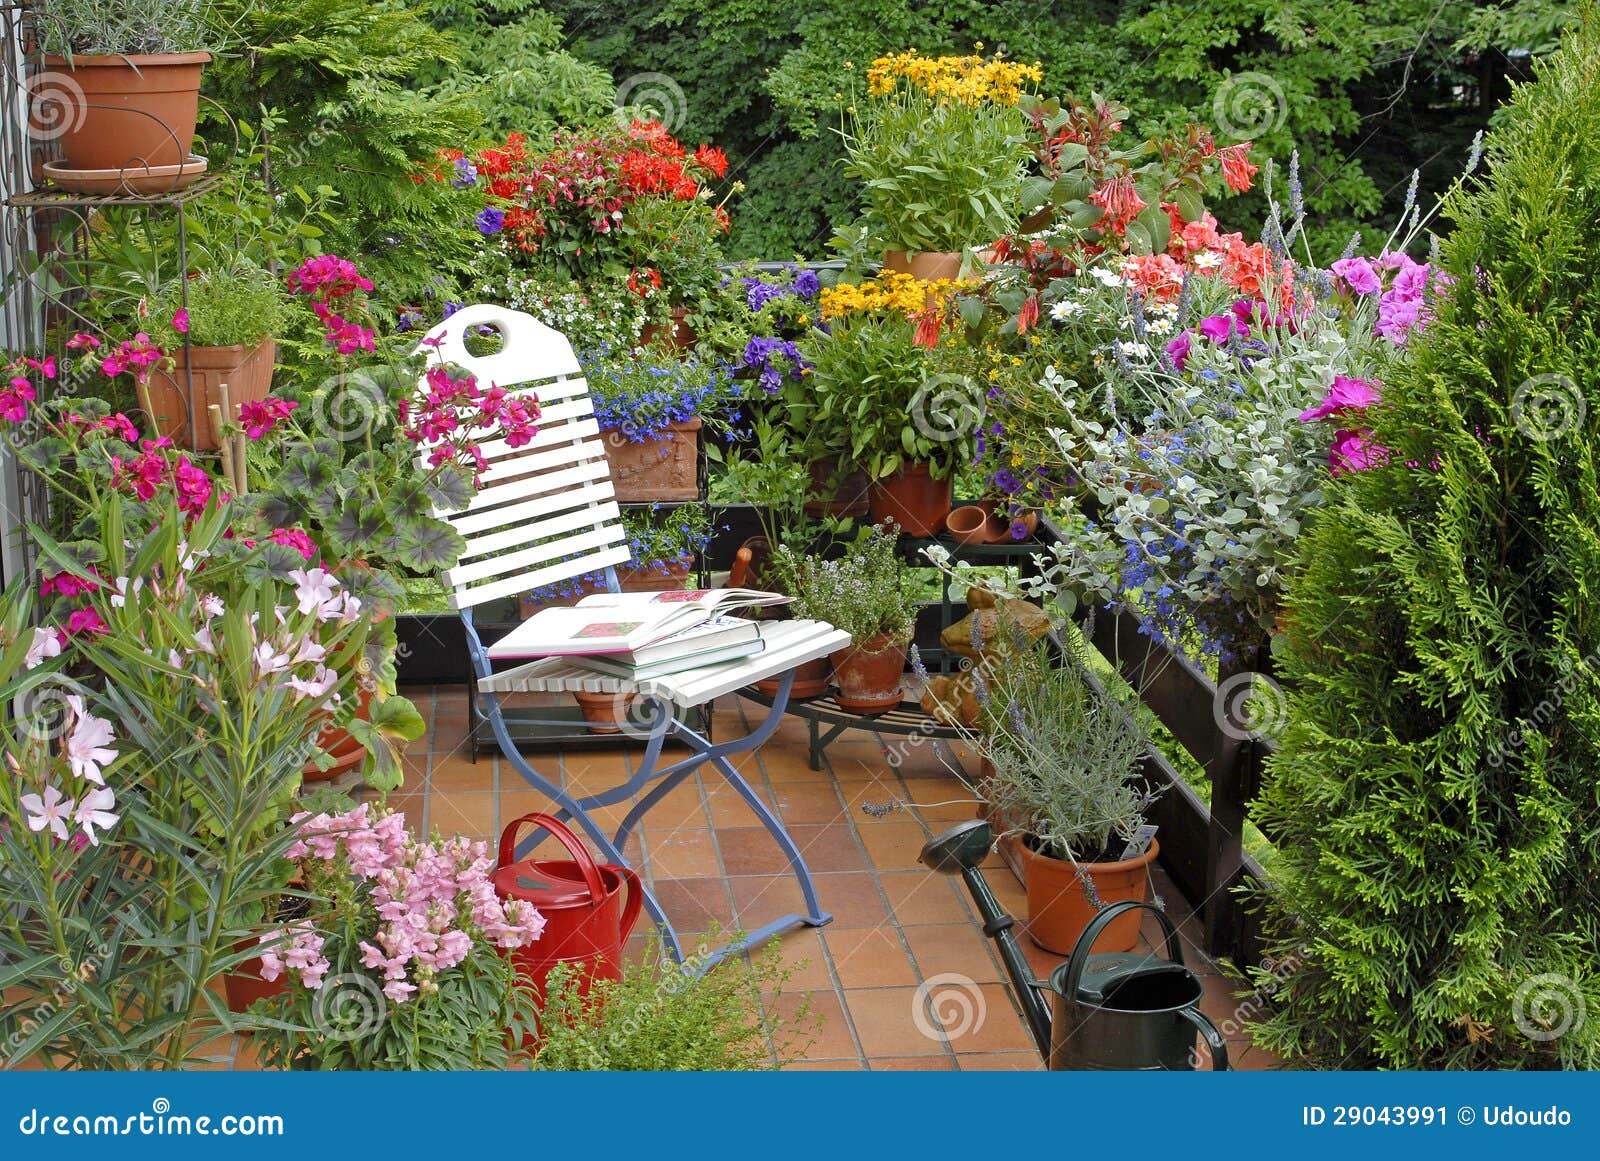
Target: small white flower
51,811
87,750
1066,309
95,811
45,645
1160,326
313,588
1207,260
1106,277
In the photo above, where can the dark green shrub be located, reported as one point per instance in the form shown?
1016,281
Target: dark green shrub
1434,797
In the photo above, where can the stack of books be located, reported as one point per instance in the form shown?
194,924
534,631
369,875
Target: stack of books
637,636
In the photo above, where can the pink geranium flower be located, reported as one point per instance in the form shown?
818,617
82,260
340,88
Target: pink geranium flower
1345,395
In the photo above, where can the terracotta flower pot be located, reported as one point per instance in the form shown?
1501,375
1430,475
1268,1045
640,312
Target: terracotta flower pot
913,499
969,524
835,492
868,675
1059,908
244,986
664,468
650,580
342,745
246,370
603,711
925,265
680,334
810,680
133,112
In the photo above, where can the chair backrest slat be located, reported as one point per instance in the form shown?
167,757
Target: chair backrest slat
545,511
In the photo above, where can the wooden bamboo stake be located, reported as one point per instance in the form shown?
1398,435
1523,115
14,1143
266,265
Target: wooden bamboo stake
222,444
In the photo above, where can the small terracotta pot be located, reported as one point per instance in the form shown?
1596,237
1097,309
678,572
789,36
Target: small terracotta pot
681,334
969,524
650,580
868,675
913,499
1059,909
123,112
810,680
603,711
246,370
665,468
835,492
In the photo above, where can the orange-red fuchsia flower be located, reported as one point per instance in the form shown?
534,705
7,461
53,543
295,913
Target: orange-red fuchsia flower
1236,168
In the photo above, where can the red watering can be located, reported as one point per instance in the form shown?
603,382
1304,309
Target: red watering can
586,919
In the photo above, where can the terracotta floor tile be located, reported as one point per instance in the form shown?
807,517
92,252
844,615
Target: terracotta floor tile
943,802
679,807
683,854
466,812
952,948
760,899
788,764
824,1025
923,897
886,791
853,899
695,904
870,957
1001,1029
806,960
893,1022
824,1066
911,1064
413,806
999,1061
892,845
752,850
727,807
809,802
454,773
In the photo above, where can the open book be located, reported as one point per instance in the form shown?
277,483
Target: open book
623,622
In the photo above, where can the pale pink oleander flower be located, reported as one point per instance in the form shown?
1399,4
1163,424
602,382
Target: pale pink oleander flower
87,749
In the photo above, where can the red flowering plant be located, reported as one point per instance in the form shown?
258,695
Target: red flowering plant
1093,197
621,203
363,460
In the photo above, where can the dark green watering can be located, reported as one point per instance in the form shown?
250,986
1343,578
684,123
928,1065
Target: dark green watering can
1121,1010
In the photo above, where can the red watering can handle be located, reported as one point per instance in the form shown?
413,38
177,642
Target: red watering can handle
580,853
630,909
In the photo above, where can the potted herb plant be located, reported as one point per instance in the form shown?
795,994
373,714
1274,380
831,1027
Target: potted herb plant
876,390
651,405
130,89
940,148
1062,773
397,963
864,592
224,323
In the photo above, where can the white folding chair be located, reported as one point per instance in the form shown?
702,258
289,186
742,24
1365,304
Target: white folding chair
546,514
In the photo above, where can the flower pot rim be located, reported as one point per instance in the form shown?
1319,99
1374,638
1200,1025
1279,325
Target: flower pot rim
1140,860
887,643
99,60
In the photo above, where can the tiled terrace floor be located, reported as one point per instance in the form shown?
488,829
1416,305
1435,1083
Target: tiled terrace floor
896,925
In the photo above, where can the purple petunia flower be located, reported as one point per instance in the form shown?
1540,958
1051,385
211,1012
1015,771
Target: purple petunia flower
466,174
490,220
